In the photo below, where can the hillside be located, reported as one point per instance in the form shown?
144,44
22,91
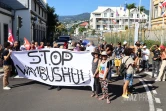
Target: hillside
73,18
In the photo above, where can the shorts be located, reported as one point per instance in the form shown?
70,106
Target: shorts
7,68
128,77
117,62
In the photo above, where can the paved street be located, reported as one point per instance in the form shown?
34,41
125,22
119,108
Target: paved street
29,95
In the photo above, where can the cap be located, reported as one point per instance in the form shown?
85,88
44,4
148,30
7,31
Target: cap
144,47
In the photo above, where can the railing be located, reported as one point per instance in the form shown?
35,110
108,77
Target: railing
4,6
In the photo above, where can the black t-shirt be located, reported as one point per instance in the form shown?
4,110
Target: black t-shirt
139,52
156,54
9,60
109,63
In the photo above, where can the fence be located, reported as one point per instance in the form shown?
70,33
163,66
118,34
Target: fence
150,37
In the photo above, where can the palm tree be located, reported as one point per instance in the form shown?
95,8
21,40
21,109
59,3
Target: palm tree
129,7
142,9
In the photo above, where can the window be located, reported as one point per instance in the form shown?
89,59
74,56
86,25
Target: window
42,13
98,26
155,11
97,15
35,6
131,15
112,14
105,14
137,15
39,10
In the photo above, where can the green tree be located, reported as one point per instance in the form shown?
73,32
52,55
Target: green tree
130,6
52,22
142,9
93,32
81,29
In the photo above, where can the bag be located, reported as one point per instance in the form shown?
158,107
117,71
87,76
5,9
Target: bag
123,68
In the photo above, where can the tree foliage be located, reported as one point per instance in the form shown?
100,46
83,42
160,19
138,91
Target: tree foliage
130,6
93,32
81,29
52,22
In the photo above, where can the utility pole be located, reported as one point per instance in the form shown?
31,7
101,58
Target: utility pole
139,19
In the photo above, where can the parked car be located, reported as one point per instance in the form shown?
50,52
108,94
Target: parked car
61,41
65,37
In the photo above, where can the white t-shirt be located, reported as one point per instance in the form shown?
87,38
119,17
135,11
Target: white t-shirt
145,54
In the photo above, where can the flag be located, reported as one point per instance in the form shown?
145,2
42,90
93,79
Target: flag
10,37
163,14
117,14
114,21
164,3
26,44
125,6
160,5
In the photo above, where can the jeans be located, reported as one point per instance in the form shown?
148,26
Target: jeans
109,75
156,65
131,81
145,64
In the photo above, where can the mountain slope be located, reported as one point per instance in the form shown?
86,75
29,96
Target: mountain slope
73,18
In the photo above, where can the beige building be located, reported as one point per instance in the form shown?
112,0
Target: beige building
157,18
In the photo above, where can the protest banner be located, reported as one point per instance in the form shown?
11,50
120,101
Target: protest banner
57,67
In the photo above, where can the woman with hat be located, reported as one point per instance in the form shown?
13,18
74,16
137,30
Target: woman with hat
97,86
103,69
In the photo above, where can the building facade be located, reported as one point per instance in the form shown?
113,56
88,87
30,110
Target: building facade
34,18
115,18
157,19
6,16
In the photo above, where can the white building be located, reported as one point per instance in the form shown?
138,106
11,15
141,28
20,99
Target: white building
5,21
29,10
114,18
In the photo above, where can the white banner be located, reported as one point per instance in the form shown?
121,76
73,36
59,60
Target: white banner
52,66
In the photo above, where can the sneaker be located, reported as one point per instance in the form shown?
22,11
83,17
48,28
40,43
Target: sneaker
125,96
163,80
6,88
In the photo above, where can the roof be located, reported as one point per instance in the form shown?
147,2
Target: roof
84,24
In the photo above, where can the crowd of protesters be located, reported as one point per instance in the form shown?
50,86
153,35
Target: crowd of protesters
106,57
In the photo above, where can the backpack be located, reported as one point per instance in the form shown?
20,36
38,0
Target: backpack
123,68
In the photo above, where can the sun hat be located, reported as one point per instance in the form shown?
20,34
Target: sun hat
104,53
95,52
144,47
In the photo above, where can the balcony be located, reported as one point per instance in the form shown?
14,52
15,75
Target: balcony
4,6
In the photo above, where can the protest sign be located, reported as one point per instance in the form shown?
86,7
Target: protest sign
52,66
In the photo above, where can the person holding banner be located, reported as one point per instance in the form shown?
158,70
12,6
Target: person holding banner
7,65
103,69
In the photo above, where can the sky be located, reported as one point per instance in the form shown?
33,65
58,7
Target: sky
74,7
